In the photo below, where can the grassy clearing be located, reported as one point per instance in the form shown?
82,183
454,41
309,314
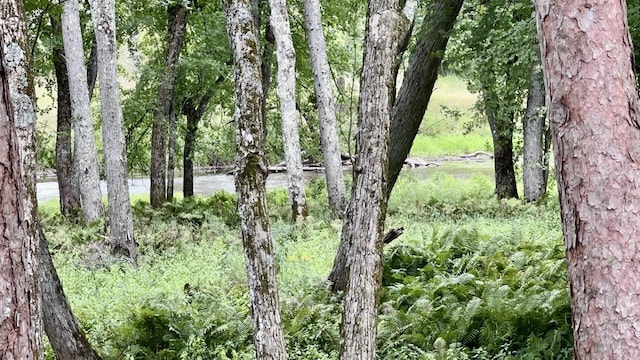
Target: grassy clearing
471,277
443,145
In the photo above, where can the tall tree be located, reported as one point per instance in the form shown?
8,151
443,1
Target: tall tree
326,107
86,158
285,53
593,108
410,104
69,192
387,31
175,38
193,113
20,336
121,235
502,124
250,180
535,145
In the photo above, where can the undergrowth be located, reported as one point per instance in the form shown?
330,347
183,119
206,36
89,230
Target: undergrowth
471,278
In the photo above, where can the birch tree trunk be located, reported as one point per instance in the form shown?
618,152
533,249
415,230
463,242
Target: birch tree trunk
534,164
593,107
21,325
250,179
70,205
386,31
86,158
121,235
20,334
326,108
175,39
286,56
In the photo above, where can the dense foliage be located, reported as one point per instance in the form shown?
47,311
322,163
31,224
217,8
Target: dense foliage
471,278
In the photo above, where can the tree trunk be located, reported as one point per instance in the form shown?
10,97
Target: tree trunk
115,155
175,39
386,31
171,152
92,67
502,135
418,81
70,206
534,155
285,53
194,114
593,111
326,108
250,182
86,158
408,96
20,336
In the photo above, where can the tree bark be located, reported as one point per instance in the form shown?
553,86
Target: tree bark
86,158
121,235
285,53
70,205
326,108
171,152
418,81
386,31
250,179
20,329
193,113
534,155
593,110
175,39
502,134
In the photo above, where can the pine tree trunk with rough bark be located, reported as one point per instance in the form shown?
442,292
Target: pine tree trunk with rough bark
386,32
593,107
85,155
20,329
70,205
326,108
175,39
286,56
534,164
250,180
121,235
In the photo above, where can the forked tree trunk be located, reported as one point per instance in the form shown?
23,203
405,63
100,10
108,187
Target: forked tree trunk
85,155
386,32
285,53
70,205
250,179
534,165
594,115
175,39
326,108
121,235
20,336
502,134
21,328
193,113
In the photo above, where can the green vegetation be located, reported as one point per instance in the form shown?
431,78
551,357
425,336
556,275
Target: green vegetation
471,278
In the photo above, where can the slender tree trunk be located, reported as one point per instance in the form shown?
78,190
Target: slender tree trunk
92,67
194,114
115,156
20,336
502,135
386,31
418,81
593,110
171,152
70,205
534,157
175,39
326,108
250,182
286,56
339,272
86,158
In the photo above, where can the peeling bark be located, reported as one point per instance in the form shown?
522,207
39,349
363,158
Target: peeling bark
593,111
326,108
250,177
